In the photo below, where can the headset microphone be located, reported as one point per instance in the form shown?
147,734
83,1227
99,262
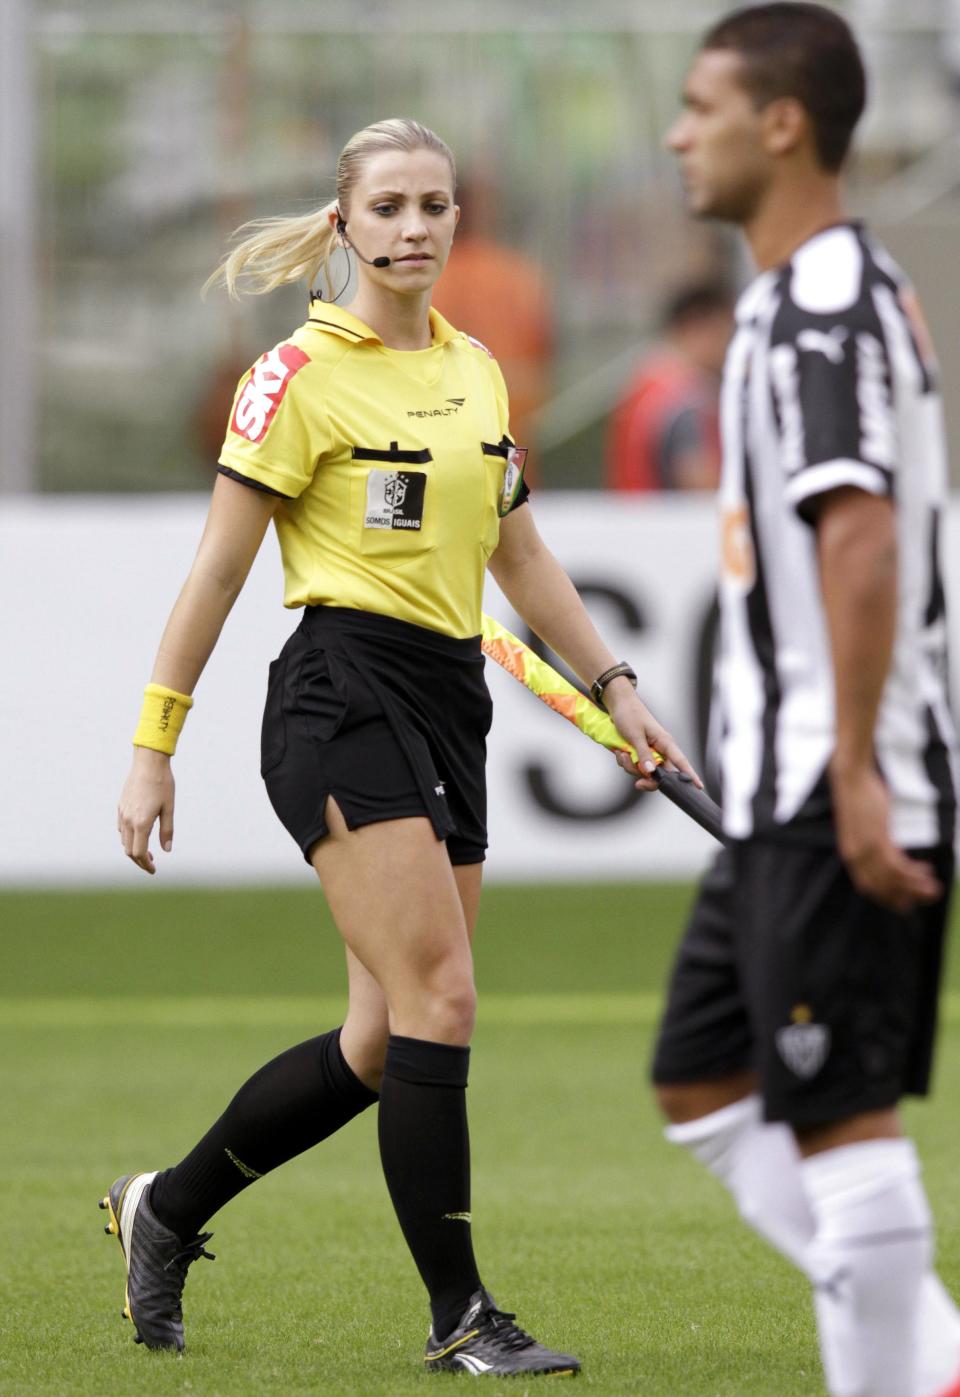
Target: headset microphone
370,261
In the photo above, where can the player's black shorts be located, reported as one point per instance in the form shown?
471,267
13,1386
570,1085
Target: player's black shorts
387,717
784,968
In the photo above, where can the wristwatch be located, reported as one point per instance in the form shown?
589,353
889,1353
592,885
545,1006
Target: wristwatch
602,680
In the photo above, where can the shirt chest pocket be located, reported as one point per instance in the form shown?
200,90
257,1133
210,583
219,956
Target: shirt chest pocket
392,509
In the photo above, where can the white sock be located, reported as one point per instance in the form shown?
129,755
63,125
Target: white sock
760,1165
938,1341
870,1253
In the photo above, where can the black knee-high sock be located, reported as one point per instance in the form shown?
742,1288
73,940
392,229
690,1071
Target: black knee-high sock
291,1104
425,1149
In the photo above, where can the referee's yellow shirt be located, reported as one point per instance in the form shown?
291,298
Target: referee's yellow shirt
391,464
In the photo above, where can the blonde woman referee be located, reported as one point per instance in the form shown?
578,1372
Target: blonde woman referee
377,440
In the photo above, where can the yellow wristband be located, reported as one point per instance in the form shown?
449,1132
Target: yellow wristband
161,718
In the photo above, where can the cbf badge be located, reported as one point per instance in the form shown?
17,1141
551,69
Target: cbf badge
512,478
395,499
803,1044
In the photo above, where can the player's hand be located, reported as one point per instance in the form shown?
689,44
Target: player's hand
146,797
878,869
638,725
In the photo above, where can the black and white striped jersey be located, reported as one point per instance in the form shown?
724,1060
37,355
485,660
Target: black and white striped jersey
830,380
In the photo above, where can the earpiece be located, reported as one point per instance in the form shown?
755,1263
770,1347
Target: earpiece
370,261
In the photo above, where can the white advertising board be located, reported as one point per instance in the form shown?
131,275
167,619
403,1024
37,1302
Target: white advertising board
87,583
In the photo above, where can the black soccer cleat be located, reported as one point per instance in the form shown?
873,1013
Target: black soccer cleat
487,1341
156,1261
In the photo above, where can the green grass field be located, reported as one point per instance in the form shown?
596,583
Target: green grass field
127,1020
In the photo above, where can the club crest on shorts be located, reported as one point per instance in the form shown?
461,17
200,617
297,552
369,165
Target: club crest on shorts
803,1044
395,500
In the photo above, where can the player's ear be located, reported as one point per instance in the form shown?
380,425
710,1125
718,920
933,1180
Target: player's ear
786,126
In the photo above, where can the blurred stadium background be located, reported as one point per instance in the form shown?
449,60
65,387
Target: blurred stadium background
135,135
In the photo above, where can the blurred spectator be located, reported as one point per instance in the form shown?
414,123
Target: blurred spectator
664,434
500,297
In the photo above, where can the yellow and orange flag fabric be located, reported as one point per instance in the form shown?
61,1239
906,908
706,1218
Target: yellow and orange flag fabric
550,687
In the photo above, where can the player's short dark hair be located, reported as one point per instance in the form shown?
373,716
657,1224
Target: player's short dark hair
694,300
803,51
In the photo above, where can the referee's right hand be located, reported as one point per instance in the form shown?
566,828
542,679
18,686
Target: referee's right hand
146,797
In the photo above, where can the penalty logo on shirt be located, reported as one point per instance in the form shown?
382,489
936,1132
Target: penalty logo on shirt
395,500
803,1044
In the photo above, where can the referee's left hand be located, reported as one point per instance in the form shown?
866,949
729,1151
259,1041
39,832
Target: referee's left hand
638,725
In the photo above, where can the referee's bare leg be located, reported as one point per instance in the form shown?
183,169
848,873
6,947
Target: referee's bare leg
366,1027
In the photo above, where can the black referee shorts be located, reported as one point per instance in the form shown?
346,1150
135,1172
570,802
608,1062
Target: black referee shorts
786,969
388,718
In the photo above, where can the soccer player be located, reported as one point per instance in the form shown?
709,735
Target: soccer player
804,997
377,439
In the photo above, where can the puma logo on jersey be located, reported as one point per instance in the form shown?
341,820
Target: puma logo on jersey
264,389
821,342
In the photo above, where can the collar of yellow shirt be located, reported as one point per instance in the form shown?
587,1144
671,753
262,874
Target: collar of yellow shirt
337,321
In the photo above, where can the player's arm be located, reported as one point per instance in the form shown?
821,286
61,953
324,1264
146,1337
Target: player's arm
842,471
857,554
236,523
539,590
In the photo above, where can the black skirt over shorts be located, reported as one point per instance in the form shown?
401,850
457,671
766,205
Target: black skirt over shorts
388,718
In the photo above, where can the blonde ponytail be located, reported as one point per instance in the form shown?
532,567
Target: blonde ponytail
280,250
277,251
